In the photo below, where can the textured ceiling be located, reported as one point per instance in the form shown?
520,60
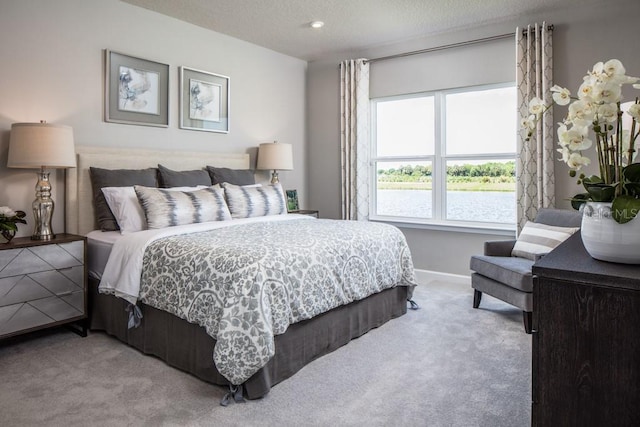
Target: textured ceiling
283,25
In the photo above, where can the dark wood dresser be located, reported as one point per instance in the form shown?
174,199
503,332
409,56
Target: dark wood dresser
586,340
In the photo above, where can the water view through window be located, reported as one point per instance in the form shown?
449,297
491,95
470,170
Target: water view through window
447,156
478,191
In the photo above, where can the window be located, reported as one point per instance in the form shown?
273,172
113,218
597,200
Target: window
445,157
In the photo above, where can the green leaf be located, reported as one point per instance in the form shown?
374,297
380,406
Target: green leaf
593,179
625,208
631,179
600,192
631,173
8,226
632,189
578,200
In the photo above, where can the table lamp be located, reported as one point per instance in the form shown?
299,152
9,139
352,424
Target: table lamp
275,156
41,146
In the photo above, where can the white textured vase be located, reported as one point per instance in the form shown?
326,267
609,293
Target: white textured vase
605,239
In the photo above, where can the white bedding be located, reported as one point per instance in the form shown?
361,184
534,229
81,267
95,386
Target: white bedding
121,274
99,244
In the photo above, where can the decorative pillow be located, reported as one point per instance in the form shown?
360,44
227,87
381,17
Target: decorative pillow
169,178
116,178
538,239
165,208
125,207
232,176
247,202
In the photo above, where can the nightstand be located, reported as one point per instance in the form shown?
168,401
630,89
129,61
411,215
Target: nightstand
308,212
43,284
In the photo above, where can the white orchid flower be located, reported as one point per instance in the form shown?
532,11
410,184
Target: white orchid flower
7,212
564,151
578,143
607,112
536,106
574,139
581,113
563,132
625,80
561,96
606,92
613,67
586,89
634,111
576,161
598,68
528,123
598,111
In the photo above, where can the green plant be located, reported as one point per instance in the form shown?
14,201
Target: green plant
9,219
598,109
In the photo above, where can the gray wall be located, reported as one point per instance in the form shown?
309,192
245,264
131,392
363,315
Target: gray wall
52,69
582,36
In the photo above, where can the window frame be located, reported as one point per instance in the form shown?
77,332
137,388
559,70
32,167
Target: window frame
438,161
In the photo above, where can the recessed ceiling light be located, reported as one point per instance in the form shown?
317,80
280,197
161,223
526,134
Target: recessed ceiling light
317,24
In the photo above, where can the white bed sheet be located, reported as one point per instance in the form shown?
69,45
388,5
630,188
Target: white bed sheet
99,245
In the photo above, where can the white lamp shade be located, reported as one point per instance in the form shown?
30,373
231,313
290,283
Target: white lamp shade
36,145
275,156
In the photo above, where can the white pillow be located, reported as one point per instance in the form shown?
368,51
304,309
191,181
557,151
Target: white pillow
126,208
166,208
248,201
537,239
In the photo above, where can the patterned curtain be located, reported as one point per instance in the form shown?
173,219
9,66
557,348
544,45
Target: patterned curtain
354,138
534,158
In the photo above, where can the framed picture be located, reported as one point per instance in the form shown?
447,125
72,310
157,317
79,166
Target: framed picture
136,90
204,101
292,201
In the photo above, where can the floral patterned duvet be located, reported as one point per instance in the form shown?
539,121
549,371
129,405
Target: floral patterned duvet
246,283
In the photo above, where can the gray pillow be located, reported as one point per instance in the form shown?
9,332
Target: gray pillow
116,178
169,178
232,176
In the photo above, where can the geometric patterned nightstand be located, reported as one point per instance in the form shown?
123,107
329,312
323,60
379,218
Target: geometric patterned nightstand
42,284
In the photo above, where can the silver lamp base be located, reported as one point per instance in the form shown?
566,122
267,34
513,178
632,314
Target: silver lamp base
274,177
42,208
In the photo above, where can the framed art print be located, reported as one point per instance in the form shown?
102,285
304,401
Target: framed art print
204,101
292,201
136,90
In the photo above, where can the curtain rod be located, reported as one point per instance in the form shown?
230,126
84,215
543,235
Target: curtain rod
448,46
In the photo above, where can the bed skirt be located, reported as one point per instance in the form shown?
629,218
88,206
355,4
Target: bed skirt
187,346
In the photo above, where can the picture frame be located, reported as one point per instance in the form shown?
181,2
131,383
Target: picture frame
292,201
204,100
136,90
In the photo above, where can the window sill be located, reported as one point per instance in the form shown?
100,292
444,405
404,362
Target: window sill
454,226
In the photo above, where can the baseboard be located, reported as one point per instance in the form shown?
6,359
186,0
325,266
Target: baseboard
424,277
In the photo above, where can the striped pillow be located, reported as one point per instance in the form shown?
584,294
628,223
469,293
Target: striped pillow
166,208
538,239
247,202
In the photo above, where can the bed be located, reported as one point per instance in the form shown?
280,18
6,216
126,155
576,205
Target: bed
181,337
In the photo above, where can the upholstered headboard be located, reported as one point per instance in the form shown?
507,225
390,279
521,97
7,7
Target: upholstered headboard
80,217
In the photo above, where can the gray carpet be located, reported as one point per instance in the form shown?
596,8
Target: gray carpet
444,365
